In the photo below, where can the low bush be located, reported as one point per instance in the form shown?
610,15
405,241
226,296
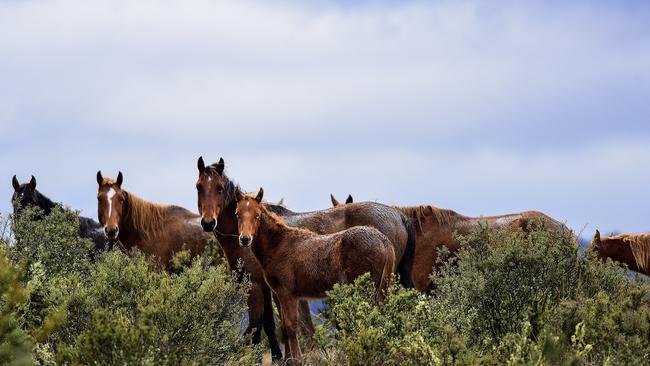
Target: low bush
507,298
120,310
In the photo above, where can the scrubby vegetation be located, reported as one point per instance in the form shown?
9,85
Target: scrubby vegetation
505,299
60,308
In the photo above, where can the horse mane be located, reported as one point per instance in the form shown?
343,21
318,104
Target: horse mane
229,185
640,247
276,219
44,201
441,216
144,217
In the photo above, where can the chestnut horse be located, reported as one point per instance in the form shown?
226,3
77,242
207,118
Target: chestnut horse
299,263
436,227
154,229
26,195
632,250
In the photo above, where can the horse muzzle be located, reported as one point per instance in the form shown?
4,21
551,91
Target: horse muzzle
111,233
245,241
208,226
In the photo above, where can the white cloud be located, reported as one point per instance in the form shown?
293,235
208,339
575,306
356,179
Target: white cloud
156,66
479,106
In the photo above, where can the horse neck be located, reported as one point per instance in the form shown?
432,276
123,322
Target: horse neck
228,233
130,233
44,203
618,250
271,235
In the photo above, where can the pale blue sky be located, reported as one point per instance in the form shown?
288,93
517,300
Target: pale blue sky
484,107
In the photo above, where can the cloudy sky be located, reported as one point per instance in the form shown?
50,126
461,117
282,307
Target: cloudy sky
481,106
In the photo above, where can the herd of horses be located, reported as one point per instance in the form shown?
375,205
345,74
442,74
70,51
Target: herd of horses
291,257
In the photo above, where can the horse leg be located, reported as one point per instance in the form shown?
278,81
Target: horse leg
289,306
255,312
269,325
282,330
306,324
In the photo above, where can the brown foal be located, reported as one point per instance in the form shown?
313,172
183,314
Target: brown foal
298,263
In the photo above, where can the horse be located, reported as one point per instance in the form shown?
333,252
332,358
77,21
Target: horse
156,230
335,202
436,227
216,199
299,263
216,202
26,195
632,250
391,222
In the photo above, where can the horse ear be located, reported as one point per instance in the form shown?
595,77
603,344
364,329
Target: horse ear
15,183
334,201
100,178
220,166
259,196
200,164
596,238
32,183
350,199
238,195
119,180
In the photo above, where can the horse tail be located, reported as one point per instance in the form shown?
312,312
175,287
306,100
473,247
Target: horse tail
405,266
386,274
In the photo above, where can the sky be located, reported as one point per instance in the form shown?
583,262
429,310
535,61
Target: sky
485,107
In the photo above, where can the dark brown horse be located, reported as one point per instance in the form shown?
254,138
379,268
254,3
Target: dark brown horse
156,230
391,222
26,195
217,204
632,250
299,263
436,227
216,198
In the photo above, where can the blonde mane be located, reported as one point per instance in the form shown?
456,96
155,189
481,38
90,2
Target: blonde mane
145,217
418,213
640,246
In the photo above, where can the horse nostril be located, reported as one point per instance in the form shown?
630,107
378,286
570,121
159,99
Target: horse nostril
111,232
208,225
244,240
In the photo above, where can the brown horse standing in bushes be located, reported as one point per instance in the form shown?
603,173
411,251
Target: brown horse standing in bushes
156,230
437,227
217,204
299,263
630,249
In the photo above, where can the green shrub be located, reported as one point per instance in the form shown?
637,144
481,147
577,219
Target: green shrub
507,298
15,343
121,310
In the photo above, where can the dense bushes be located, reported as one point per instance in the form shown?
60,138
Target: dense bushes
506,298
119,310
